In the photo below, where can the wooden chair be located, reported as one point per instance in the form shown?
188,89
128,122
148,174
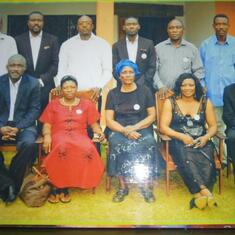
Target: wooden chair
169,164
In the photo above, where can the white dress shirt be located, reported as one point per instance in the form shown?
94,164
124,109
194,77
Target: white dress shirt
132,48
35,42
7,49
89,61
14,87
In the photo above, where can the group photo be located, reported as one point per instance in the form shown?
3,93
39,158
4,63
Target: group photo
117,114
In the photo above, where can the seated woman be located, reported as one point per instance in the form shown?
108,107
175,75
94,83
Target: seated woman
130,112
184,117
72,159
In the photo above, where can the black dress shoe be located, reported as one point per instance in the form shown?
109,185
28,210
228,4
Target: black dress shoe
11,195
120,195
148,195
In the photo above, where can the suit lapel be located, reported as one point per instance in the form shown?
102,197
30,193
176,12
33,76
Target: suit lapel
124,49
139,50
21,91
28,52
6,93
41,49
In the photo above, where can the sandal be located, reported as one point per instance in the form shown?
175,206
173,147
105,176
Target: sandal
120,195
53,197
64,196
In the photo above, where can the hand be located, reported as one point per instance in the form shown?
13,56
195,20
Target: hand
128,129
98,137
96,94
134,135
47,143
164,93
56,91
187,140
200,142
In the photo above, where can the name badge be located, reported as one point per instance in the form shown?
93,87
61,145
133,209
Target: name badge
79,111
136,107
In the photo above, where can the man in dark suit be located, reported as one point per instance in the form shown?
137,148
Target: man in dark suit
40,50
229,120
138,49
19,110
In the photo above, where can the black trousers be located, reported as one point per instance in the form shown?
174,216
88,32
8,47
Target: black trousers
21,162
230,141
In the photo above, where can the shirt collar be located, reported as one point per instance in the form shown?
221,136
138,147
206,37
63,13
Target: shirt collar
92,37
183,42
215,40
2,36
38,36
16,84
136,39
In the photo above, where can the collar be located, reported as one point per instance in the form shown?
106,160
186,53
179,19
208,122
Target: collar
91,37
16,84
183,42
38,36
215,40
2,36
136,39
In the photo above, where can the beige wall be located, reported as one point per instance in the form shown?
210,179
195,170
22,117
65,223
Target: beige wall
198,21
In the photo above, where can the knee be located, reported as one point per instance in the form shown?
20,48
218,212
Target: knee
26,145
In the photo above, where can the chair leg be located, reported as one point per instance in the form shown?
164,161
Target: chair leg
220,181
108,183
167,182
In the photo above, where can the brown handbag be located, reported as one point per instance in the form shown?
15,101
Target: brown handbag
35,189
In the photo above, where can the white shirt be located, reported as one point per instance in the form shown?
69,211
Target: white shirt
89,61
35,42
14,87
7,49
132,48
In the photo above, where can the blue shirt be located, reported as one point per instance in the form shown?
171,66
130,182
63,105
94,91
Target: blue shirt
219,63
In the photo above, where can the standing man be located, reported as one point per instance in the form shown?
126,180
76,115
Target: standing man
229,119
88,58
137,49
41,52
218,57
7,49
174,57
19,110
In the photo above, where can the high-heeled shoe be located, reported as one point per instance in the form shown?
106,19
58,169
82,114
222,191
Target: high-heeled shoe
199,202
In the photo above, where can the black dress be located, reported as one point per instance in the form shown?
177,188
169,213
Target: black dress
195,165
135,160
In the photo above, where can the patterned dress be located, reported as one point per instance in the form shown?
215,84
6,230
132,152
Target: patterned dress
73,160
135,160
195,165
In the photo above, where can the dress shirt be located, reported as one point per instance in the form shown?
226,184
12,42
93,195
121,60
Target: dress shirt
7,49
132,48
35,42
13,94
89,61
219,63
172,62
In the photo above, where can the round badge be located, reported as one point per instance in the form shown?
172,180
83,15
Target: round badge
196,117
144,56
136,107
185,59
79,111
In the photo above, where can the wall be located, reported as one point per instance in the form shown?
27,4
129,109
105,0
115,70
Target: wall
198,20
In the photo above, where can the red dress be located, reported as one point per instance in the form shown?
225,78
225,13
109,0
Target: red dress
73,160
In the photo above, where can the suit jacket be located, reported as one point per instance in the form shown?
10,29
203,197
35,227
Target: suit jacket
229,106
145,59
27,106
47,62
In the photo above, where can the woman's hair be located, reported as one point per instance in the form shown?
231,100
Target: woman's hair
68,78
198,87
126,63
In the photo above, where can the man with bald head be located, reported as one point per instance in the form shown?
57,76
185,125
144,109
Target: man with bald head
7,48
174,57
19,110
87,57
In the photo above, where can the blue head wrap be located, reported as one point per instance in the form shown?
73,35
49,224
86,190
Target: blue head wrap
124,63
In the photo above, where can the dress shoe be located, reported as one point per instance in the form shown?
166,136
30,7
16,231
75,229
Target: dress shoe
11,195
148,195
120,195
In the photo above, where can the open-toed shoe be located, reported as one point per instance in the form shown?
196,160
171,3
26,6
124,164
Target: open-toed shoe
64,196
53,198
120,195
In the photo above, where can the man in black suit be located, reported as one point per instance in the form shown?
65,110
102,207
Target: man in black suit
19,110
41,52
138,49
229,120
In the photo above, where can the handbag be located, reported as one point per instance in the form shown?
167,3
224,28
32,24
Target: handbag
35,189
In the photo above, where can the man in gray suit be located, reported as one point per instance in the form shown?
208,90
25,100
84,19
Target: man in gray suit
137,49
